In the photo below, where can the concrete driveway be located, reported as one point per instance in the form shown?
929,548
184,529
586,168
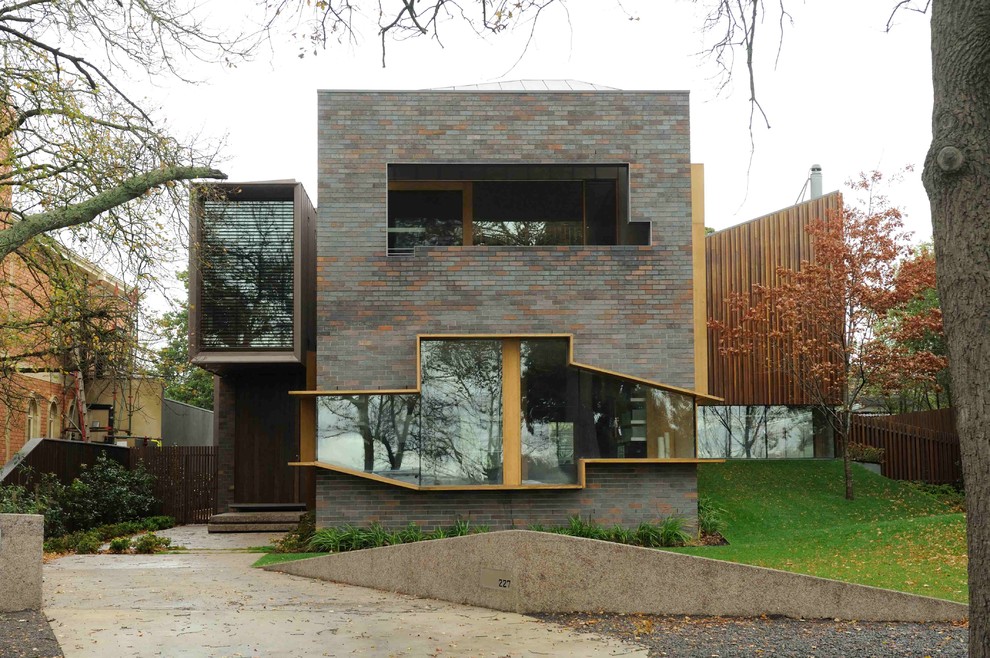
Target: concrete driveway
209,602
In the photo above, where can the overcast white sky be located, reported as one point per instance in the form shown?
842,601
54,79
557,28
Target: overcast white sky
845,94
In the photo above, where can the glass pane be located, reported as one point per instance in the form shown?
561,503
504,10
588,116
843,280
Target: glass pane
600,212
528,213
569,414
424,218
377,434
247,275
527,234
756,431
549,399
461,412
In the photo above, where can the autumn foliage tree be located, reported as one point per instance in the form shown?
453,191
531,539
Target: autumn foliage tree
830,320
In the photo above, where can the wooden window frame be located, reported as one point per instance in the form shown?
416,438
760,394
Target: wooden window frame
467,204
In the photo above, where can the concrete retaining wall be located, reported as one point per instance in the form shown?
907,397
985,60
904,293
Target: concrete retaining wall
21,539
528,572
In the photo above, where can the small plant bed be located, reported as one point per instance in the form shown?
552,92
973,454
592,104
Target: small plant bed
350,538
665,533
792,515
106,503
90,541
305,542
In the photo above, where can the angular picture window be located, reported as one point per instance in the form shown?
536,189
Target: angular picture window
503,411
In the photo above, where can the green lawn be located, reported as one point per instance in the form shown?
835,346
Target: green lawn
791,515
275,558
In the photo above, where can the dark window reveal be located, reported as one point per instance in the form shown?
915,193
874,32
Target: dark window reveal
424,218
509,205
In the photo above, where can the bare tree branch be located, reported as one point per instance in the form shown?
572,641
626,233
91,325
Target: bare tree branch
80,213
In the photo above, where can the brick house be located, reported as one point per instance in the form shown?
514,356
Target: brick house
492,316
64,320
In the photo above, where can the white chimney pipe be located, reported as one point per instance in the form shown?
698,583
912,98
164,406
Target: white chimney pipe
816,181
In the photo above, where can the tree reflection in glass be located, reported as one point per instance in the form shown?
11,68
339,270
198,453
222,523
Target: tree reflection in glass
371,433
461,411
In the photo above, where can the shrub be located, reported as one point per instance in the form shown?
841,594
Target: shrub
107,493
62,544
621,535
860,452
151,543
376,536
711,518
946,494
120,544
577,527
411,533
326,540
89,542
648,535
157,523
45,498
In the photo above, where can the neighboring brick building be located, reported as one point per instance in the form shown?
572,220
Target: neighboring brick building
503,322
61,316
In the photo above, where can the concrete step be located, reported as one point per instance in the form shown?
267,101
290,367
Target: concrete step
250,527
240,518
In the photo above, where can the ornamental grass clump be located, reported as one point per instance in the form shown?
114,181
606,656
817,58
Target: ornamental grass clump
711,517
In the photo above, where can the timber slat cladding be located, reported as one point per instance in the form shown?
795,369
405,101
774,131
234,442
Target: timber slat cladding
738,258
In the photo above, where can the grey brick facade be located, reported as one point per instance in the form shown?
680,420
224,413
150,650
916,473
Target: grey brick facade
629,308
624,494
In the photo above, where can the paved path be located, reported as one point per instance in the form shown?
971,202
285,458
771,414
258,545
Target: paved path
211,603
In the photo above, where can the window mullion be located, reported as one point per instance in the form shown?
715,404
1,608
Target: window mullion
511,412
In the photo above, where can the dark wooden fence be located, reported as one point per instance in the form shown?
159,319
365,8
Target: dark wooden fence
185,477
66,459
912,451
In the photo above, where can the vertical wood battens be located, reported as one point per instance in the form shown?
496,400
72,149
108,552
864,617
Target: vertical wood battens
736,259
913,450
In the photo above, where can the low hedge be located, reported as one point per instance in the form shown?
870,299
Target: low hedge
89,541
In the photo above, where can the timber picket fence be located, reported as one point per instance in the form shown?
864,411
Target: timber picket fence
912,451
185,476
185,479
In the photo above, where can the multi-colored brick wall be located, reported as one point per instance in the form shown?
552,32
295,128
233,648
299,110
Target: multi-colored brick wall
629,307
624,494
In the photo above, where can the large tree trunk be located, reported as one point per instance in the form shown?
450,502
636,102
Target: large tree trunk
957,177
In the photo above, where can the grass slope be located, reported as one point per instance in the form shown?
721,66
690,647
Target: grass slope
276,558
792,515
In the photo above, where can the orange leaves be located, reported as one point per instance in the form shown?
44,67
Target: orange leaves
858,315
